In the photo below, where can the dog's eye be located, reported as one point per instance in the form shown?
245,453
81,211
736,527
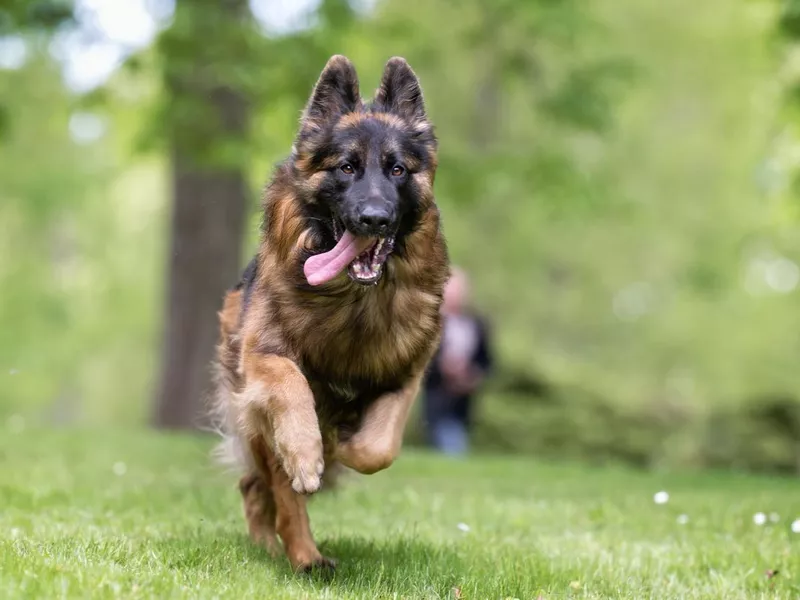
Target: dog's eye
347,169
397,170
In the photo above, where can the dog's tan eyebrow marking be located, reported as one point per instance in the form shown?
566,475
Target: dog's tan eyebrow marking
393,149
349,120
389,119
353,119
390,148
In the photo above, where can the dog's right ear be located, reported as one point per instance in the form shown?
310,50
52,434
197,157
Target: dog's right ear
400,92
335,94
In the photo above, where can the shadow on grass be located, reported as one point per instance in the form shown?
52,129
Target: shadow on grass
400,566
220,560
365,568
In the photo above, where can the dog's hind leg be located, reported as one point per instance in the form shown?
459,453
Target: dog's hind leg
259,509
293,525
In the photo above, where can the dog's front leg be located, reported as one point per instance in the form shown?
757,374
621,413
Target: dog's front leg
277,405
377,443
277,408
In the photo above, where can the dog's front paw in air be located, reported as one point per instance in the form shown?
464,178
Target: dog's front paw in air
303,463
306,476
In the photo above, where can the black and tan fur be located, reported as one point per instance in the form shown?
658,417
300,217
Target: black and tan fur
311,378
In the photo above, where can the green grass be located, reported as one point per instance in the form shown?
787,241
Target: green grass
144,515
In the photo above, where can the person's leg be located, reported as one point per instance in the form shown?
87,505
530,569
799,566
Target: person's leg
431,415
450,436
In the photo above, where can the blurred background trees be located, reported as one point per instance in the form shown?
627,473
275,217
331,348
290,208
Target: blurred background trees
207,117
616,177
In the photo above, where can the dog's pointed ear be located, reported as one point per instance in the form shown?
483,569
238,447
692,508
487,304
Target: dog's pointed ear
400,92
336,93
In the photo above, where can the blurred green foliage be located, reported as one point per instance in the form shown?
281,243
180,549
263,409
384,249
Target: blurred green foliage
614,175
33,15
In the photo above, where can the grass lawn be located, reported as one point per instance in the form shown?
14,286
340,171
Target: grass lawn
132,514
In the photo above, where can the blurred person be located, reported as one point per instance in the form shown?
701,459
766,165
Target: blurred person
461,364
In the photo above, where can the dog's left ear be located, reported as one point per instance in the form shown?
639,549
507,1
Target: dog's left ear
335,93
400,92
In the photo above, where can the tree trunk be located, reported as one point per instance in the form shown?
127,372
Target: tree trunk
208,217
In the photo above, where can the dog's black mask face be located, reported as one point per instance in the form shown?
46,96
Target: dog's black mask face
366,190
369,168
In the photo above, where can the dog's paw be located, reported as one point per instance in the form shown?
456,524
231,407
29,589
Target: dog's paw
322,565
301,455
305,475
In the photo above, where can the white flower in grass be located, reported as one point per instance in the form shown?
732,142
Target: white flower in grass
796,526
120,468
759,518
774,517
463,527
661,498
683,519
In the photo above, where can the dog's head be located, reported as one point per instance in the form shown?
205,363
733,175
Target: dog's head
367,170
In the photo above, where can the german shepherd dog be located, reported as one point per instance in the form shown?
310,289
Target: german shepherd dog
324,341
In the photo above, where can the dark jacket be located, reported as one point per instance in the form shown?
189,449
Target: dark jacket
439,402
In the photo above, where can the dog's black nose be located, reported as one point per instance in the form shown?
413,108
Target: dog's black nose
375,218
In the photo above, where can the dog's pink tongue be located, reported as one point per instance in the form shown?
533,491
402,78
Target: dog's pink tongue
324,267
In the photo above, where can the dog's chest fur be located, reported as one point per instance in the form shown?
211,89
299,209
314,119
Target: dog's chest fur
364,337
356,345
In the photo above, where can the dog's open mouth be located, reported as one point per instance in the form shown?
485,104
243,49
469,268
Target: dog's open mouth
363,257
367,267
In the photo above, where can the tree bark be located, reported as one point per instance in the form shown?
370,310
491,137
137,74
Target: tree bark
208,218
